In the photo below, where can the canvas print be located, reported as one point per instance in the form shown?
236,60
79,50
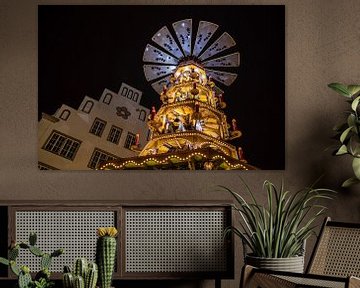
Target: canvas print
155,87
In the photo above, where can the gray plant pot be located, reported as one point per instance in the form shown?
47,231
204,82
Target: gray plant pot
291,264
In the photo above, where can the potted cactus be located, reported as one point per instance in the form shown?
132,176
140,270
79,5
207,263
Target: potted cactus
42,278
106,254
84,275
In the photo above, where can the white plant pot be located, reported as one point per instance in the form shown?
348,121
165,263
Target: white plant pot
291,264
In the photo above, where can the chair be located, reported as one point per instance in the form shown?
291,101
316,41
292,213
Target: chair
335,262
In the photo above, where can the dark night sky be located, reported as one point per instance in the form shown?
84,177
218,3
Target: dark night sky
85,49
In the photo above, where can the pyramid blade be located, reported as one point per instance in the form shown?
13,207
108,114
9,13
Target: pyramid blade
205,31
158,85
225,78
183,31
225,41
156,71
154,55
164,39
231,60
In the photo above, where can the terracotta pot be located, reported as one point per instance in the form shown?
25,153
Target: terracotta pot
291,264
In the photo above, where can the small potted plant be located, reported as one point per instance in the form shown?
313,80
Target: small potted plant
348,132
276,233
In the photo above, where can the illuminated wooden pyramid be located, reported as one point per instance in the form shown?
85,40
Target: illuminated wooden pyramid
190,131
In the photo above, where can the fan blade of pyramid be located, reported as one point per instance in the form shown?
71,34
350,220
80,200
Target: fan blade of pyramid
225,78
159,84
154,55
205,31
183,31
225,41
156,71
231,60
164,39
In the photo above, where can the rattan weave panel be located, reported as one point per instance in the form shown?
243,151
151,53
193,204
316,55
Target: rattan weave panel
304,282
75,231
338,253
175,241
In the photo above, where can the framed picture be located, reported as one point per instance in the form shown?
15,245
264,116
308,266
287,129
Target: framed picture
161,87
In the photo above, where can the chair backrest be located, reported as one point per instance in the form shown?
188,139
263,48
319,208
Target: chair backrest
337,251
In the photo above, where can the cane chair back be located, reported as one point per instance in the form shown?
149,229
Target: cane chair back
335,262
337,252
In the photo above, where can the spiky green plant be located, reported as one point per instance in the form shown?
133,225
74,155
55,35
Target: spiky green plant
84,273
279,229
106,254
348,133
42,278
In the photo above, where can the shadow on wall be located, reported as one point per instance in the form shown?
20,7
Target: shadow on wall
330,170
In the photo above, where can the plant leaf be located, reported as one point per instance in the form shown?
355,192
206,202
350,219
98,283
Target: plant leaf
350,120
353,89
340,88
355,103
4,261
345,134
356,167
342,150
349,182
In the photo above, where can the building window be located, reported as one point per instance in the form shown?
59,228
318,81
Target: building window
142,115
43,166
130,140
114,135
99,157
98,127
65,114
62,145
124,91
136,96
130,94
107,98
88,106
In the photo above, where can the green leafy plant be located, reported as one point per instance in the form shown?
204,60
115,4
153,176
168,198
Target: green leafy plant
279,229
42,278
348,133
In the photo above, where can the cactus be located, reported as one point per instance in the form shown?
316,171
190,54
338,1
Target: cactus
44,273
68,280
45,261
80,268
88,273
14,268
32,238
79,282
42,278
24,279
36,251
4,261
57,252
91,276
105,254
13,253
